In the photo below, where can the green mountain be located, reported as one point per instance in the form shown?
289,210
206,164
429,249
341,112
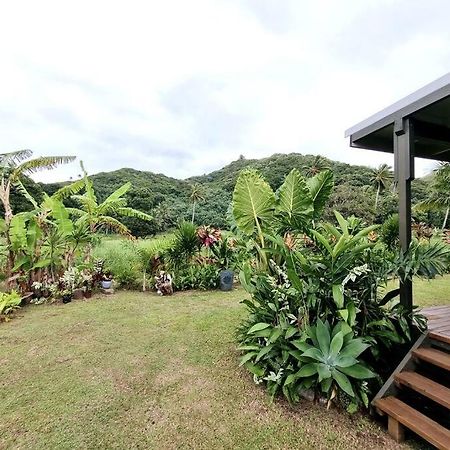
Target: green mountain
167,199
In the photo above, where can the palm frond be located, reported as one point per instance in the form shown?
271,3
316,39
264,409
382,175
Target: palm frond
23,190
88,184
130,212
88,203
76,212
111,207
69,190
41,163
112,224
11,159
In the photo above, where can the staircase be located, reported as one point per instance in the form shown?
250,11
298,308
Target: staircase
417,395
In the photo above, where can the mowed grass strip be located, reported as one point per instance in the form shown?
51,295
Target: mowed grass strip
429,292
135,370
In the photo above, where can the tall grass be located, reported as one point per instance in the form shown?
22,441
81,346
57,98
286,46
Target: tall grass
129,261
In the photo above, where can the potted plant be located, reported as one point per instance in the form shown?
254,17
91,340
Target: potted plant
87,283
67,295
68,284
107,280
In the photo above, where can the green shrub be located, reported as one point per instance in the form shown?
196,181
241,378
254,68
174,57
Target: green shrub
303,274
389,232
196,276
8,304
185,245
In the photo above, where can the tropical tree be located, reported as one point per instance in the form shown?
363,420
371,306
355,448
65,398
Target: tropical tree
318,164
13,166
439,198
196,196
380,180
101,215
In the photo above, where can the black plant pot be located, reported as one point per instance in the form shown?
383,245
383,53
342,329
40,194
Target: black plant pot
226,280
67,298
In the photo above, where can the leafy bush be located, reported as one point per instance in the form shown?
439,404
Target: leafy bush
389,232
185,245
196,276
9,303
311,282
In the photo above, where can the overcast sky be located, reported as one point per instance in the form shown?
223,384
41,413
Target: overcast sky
184,87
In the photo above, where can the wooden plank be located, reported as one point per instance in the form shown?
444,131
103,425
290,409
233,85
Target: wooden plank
396,430
433,356
423,385
422,425
439,337
407,363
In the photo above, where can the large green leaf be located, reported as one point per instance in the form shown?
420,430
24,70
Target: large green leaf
60,214
354,348
320,187
336,344
343,382
307,370
323,371
258,327
18,232
323,337
253,202
357,371
294,199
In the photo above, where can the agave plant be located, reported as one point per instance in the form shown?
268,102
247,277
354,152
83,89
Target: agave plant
331,360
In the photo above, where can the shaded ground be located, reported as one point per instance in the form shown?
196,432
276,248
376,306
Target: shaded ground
139,371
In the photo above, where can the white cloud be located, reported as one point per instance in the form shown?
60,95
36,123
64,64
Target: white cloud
185,87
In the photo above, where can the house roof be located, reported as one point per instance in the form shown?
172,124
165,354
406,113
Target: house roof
429,109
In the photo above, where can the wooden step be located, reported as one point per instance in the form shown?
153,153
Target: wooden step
401,413
445,338
433,356
428,388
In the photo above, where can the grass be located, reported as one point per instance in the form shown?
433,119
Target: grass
430,292
136,370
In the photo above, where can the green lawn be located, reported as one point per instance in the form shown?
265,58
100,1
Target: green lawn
136,370
430,292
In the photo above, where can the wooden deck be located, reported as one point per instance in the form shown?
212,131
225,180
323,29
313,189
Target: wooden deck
438,322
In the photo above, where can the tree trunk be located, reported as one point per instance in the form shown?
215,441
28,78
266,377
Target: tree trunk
193,212
4,195
445,218
376,198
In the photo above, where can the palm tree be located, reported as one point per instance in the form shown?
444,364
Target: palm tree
196,196
318,165
13,166
439,193
380,179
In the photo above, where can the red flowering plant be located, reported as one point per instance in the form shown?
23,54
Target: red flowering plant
208,235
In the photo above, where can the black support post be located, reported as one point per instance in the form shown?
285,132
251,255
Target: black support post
404,174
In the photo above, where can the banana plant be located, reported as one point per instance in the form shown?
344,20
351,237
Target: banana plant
103,216
13,166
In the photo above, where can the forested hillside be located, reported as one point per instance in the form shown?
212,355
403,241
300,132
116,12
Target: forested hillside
169,199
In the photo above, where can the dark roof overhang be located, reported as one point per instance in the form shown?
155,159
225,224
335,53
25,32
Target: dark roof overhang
428,110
